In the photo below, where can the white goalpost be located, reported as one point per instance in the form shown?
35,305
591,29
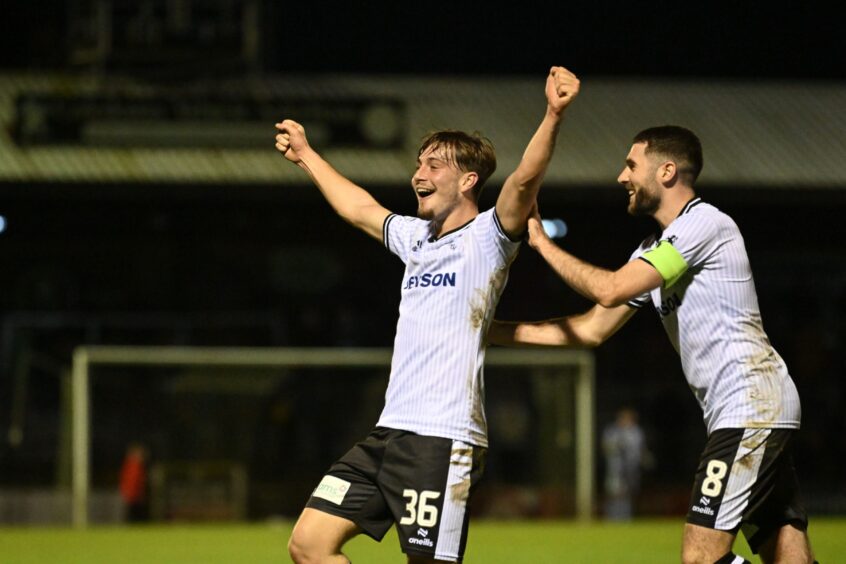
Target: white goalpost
558,363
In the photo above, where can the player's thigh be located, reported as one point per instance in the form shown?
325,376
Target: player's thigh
317,532
701,544
788,544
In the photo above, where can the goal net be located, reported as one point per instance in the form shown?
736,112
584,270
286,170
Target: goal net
237,433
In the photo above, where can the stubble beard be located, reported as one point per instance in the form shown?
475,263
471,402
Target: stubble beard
424,214
437,218
644,203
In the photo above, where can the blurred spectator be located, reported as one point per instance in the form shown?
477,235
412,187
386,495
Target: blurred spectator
133,483
624,447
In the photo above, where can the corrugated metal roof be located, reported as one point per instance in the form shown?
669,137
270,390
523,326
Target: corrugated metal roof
754,134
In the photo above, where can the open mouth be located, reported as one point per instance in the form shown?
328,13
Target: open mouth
424,193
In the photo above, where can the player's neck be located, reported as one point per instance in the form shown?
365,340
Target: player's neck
457,217
672,206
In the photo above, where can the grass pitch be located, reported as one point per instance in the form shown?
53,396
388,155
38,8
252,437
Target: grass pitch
534,542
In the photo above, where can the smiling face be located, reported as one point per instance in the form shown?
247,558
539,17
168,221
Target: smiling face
639,177
437,183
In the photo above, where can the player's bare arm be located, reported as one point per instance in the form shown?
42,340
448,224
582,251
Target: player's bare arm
608,288
350,201
521,188
589,329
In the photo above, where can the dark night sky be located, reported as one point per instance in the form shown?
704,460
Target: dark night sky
673,40
735,41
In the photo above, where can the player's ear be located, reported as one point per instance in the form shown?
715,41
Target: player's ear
468,181
666,172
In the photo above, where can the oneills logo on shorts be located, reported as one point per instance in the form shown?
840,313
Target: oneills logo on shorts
705,510
421,542
332,489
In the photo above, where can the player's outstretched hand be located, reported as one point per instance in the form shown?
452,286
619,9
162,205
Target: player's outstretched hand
537,236
291,140
562,86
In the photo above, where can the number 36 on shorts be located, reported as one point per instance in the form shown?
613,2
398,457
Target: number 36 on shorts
418,510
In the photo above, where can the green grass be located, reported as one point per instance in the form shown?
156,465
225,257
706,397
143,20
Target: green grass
535,542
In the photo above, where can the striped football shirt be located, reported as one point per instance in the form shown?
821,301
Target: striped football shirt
450,289
709,308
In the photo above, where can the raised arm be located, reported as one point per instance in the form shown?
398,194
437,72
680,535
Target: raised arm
605,287
350,201
588,329
521,188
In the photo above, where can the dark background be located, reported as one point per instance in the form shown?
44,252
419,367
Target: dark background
661,40
258,265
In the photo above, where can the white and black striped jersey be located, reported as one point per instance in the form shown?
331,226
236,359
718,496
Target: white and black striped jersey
709,308
450,289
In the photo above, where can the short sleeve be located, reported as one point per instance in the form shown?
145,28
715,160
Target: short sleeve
495,243
694,236
399,234
644,299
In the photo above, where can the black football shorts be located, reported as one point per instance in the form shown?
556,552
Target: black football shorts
420,483
746,481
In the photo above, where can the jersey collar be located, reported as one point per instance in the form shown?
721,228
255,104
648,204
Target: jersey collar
695,201
435,238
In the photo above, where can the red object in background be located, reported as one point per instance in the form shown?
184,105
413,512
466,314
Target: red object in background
133,476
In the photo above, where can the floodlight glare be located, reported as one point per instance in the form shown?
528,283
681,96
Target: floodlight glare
555,228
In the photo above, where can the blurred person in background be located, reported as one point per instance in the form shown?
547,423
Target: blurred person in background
696,275
133,483
625,453
419,466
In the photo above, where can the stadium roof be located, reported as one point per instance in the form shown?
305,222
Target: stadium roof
767,134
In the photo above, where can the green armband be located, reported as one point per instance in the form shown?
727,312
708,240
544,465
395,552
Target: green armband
667,261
